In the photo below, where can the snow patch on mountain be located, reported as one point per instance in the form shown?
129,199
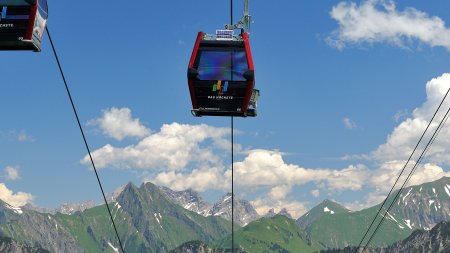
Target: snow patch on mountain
17,210
430,202
447,189
227,198
408,223
407,194
116,250
160,217
327,210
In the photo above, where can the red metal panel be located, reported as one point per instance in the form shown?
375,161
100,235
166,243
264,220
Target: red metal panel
194,51
191,65
31,20
248,51
250,84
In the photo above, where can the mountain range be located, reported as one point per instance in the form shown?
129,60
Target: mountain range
434,240
150,218
418,207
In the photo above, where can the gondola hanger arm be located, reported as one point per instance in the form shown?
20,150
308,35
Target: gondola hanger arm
244,22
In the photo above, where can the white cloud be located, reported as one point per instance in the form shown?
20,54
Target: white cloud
280,191
173,148
11,173
198,180
14,199
23,136
384,177
262,168
119,124
379,21
266,170
348,123
295,208
371,199
315,193
401,142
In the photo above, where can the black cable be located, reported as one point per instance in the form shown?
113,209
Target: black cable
84,137
231,13
401,172
430,142
232,156
232,184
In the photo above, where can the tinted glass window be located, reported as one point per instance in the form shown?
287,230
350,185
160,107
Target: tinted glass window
222,64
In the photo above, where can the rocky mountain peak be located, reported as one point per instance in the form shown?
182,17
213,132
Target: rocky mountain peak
271,213
244,212
188,199
285,212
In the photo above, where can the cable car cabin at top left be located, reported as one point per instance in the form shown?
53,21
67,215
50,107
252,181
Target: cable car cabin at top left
22,24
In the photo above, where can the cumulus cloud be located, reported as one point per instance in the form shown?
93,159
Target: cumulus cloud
384,177
295,208
266,170
14,199
174,147
280,191
372,199
120,124
198,180
375,21
348,123
262,168
401,142
11,173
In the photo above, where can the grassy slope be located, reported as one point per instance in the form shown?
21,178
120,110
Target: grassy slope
276,234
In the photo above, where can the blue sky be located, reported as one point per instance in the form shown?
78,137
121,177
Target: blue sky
333,77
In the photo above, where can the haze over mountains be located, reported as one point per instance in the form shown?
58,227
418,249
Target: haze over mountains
156,219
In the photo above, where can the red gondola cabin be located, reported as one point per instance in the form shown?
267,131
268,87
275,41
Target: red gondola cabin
22,24
221,76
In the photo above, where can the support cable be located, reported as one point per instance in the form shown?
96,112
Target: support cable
232,184
422,155
84,137
232,157
398,178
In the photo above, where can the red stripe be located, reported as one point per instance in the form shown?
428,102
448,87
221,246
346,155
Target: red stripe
250,84
191,65
194,52
31,20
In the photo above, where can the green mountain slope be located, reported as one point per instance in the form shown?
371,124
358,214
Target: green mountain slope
201,247
326,208
276,234
145,219
417,207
